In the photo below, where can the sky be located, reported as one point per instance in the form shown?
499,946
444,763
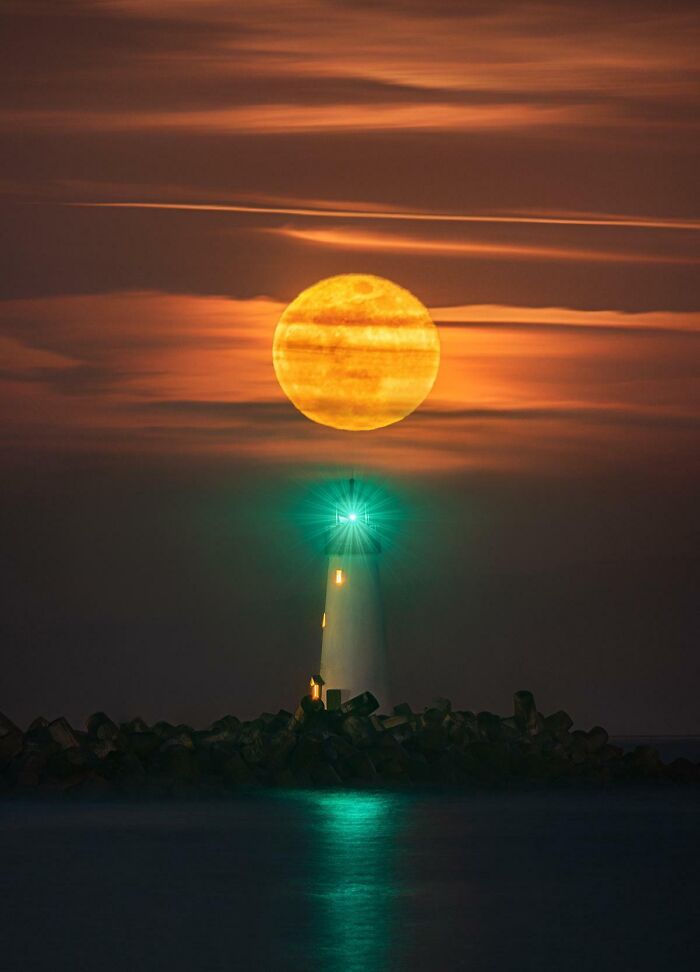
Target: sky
173,174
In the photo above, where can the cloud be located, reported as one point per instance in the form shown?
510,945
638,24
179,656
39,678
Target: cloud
581,413
135,346
184,375
327,209
346,68
289,118
393,112
541,48
543,318
255,416
388,243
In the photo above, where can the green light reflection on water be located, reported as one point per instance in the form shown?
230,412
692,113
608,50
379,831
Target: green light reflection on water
355,886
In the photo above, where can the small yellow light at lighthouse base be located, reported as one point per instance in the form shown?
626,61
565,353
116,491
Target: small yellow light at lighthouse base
316,684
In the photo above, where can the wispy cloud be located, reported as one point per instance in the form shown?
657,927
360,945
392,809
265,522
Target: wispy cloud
543,318
185,374
388,243
522,48
290,118
326,209
358,68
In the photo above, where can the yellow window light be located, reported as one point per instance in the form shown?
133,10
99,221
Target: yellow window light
315,684
323,620
339,578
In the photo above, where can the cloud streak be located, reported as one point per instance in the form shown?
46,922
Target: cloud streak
517,385
289,118
388,243
543,318
325,210
383,67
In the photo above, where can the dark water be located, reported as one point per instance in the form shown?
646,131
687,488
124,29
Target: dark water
366,881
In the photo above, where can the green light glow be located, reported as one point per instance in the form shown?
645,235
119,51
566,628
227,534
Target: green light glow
354,881
367,509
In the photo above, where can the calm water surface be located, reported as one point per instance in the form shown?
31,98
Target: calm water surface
355,881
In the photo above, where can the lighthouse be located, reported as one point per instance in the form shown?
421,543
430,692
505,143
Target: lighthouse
353,652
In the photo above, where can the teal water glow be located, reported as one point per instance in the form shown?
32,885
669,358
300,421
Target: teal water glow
355,886
575,880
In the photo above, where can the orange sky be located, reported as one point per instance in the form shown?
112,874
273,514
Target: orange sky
174,173
152,370
180,170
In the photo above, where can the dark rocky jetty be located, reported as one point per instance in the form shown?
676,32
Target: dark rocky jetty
352,746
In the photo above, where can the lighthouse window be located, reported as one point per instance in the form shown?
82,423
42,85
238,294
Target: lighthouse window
323,620
339,577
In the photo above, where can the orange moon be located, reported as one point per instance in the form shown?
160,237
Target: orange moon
356,352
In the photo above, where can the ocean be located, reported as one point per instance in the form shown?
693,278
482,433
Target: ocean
584,879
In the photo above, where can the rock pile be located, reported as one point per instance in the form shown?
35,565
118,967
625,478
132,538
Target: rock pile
353,746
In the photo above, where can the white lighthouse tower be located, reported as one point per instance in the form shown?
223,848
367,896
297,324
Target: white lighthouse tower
353,653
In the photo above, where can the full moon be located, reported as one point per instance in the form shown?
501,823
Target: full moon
356,352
